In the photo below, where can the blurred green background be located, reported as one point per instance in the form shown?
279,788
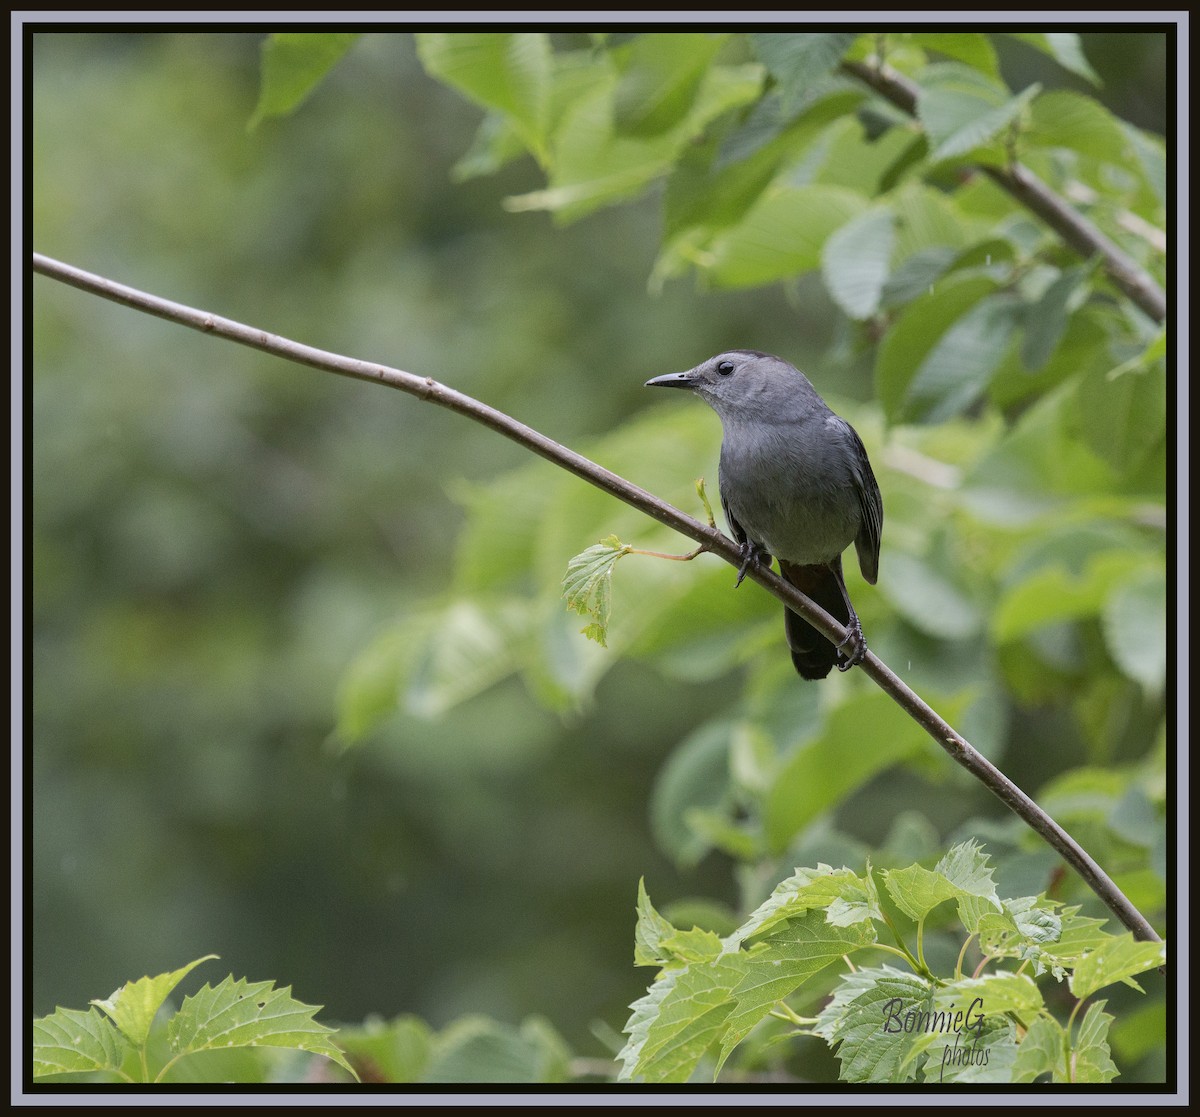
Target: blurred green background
218,534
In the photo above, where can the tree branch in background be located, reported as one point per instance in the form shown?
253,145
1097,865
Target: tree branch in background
706,535
1038,198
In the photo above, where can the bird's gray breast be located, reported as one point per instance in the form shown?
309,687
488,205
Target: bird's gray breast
792,486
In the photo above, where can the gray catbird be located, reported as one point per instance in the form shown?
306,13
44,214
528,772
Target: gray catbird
795,483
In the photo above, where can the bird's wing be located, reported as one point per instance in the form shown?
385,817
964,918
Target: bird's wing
870,504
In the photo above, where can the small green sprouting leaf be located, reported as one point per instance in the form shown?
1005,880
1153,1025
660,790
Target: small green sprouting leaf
293,65
1116,959
588,582
134,1006
70,1041
249,1014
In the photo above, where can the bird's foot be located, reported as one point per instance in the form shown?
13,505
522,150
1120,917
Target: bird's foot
858,645
751,553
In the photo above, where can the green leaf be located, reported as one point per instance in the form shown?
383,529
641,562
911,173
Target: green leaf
1116,959
134,1006
695,776
476,1049
587,585
916,331
660,76
961,110
681,1016
507,72
963,874
1122,413
651,932
1135,628
249,1014
1072,120
993,995
1042,1051
798,61
1090,1057
396,1050
1064,47
855,259
868,1020
593,165
782,235
956,371
293,65
862,737
928,598
1047,319
69,1041
974,49
842,895
1055,593
777,965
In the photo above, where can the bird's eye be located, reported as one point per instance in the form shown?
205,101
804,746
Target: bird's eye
725,368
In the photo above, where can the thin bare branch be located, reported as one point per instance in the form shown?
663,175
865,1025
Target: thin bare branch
709,538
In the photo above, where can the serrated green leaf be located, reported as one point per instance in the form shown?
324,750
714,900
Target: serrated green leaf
1117,959
1135,628
651,932
678,1020
842,894
293,65
249,1014
777,965
69,1041
855,260
1091,1060
963,874
134,1006
587,584
991,996
870,1019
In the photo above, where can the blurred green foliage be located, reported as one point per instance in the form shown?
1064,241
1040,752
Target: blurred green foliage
240,567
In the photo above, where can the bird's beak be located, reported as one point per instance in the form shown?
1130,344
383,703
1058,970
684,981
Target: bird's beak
673,380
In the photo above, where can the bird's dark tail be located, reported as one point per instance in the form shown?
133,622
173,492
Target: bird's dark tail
812,653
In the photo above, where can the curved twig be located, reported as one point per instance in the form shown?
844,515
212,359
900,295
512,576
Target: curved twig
426,388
